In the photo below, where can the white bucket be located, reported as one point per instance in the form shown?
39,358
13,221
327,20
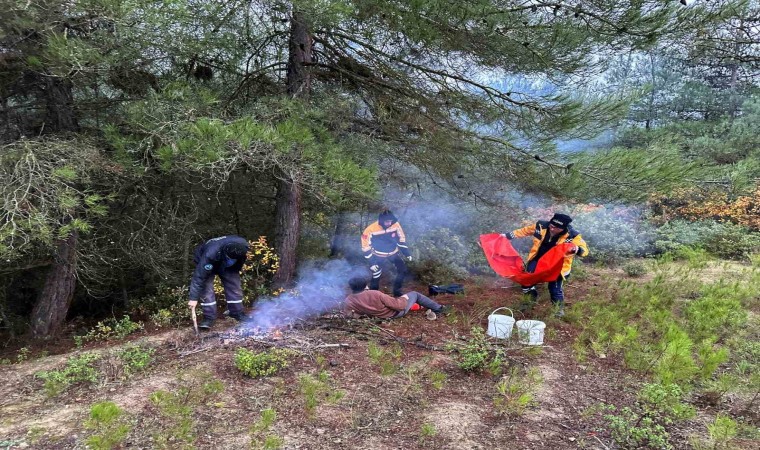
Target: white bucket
530,332
499,325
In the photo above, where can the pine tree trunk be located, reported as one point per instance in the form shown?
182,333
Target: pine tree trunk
59,105
58,290
289,189
288,230
298,79
336,245
54,300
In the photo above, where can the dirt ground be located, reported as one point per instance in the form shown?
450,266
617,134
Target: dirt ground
403,409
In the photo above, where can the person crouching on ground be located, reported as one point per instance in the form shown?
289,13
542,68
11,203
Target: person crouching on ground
223,256
373,303
547,234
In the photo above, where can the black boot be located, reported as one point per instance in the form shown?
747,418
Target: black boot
241,317
205,324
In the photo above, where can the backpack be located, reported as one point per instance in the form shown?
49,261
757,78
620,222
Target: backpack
434,289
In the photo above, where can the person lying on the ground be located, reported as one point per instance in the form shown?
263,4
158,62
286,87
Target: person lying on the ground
371,303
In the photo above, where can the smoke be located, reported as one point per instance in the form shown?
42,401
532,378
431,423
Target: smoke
321,287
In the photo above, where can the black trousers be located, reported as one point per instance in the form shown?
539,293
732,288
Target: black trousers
382,262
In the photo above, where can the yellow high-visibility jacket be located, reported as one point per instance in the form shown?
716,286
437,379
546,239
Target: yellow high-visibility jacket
539,230
384,242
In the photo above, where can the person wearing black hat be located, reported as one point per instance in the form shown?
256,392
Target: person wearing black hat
546,234
384,242
223,256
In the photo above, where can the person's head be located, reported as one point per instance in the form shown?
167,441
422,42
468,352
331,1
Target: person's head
235,250
357,284
386,218
559,223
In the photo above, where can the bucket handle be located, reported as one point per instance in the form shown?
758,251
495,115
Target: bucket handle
504,307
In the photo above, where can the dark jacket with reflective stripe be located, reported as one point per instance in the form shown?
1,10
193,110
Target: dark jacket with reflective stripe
209,260
384,242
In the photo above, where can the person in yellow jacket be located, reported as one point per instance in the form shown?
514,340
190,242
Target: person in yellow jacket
546,234
384,242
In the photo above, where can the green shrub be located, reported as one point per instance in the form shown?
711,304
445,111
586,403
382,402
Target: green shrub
427,431
515,392
646,423
259,437
714,314
22,355
731,241
109,430
476,355
177,408
437,379
136,358
441,255
261,364
632,430
387,360
665,401
78,369
113,329
167,307
635,269
660,334
310,388
721,431
754,259
722,239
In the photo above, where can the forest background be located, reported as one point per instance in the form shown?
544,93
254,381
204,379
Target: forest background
131,131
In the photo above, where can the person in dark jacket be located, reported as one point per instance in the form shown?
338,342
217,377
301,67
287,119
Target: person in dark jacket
383,243
373,303
223,256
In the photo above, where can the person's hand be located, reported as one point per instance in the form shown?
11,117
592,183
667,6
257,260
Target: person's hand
409,258
572,250
192,303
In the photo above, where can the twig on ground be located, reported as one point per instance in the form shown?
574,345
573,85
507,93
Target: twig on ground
197,350
600,442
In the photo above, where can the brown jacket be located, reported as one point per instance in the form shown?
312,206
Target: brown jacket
373,303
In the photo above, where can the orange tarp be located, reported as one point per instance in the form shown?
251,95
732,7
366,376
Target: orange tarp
505,261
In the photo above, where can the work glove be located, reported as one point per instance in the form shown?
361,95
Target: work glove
409,258
572,250
374,268
192,303
505,235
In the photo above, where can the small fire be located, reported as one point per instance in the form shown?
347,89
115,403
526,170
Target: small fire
276,334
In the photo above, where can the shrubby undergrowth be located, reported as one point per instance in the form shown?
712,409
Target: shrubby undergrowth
721,239
679,332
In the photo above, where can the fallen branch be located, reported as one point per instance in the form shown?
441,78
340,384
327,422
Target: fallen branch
197,350
600,442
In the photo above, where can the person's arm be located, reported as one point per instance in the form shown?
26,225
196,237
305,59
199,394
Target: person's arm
347,311
396,304
521,232
580,245
402,243
367,242
203,271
